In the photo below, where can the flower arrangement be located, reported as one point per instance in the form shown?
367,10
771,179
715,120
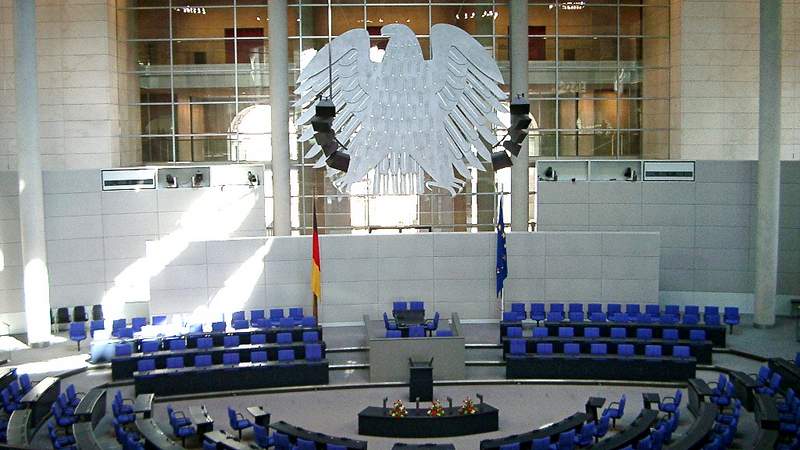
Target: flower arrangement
398,409
467,407
437,410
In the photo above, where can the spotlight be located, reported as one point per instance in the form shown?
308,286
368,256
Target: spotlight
630,174
501,160
172,182
550,174
322,122
339,161
252,179
197,180
520,121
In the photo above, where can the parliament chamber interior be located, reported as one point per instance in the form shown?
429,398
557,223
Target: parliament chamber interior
399,224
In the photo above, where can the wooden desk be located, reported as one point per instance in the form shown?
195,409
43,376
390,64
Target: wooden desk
40,398
144,405
154,437
92,406
699,393
226,442
260,416
201,419
375,421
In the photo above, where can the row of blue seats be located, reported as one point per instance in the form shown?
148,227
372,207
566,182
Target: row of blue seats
616,333
518,347
412,305
231,341
430,326
614,313
313,352
63,411
124,417
12,394
416,331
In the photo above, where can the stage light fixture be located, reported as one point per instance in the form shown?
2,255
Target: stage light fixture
171,181
501,160
520,121
252,179
550,174
197,180
630,174
325,136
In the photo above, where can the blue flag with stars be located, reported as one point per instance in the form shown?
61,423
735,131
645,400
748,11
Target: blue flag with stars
501,269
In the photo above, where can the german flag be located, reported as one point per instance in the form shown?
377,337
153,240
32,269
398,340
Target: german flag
315,262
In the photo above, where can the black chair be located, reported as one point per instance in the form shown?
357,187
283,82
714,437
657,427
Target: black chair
62,316
79,314
97,312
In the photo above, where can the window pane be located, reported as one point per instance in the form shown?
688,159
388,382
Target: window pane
591,21
588,49
209,23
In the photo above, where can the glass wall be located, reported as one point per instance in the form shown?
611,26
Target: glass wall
599,87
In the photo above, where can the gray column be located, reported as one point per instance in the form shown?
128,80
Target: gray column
519,85
279,103
36,286
769,163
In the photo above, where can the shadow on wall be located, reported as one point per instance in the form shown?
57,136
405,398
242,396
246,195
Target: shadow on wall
215,215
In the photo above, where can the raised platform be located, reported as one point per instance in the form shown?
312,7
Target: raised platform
376,421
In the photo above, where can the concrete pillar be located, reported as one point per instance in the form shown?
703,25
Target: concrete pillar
36,286
519,85
279,103
769,162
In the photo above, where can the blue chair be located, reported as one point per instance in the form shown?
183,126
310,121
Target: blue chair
77,332
231,341
125,333
540,332
302,444
602,427
125,408
158,320
591,332
275,316
282,441
258,356
763,375
284,338
710,311
544,348
598,349
617,412
514,332
541,444
313,352
230,359
122,350
555,316
731,316
519,310
62,401
646,443
240,324
697,335
308,322
644,334
689,319
566,441
595,312
177,418
310,337
391,334
575,312
61,418
219,327
184,432
557,309
572,348
613,308
195,328
511,316
258,339
116,325
137,323
668,319
671,404
618,333
444,333
692,310
262,437
286,322
669,334
389,324
681,351
177,344
59,440
431,326
237,315
237,421
9,403
416,331
652,310
96,325
625,350
672,310
566,332
618,317
145,365
150,346
15,391
335,447
537,312
586,435
257,318
512,446
205,342
175,362
296,314
416,306
773,387
652,351
25,383
633,310
202,361
399,306
286,355
517,346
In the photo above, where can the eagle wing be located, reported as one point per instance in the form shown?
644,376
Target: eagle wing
350,69
465,83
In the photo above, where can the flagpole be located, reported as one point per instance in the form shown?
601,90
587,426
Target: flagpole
314,299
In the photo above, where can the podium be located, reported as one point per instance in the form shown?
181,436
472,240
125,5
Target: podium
420,384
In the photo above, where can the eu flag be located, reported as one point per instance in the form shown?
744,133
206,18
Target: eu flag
501,269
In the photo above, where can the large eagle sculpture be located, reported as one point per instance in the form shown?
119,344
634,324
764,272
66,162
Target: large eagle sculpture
406,117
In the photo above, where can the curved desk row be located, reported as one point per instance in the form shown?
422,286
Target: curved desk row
376,421
20,428
715,333
219,336
89,412
124,366
790,374
7,375
223,441
191,380
322,440
767,419
85,439
35,409
744,387
402,446
573,422
637,430
700,350
697,434
599,367
154,437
